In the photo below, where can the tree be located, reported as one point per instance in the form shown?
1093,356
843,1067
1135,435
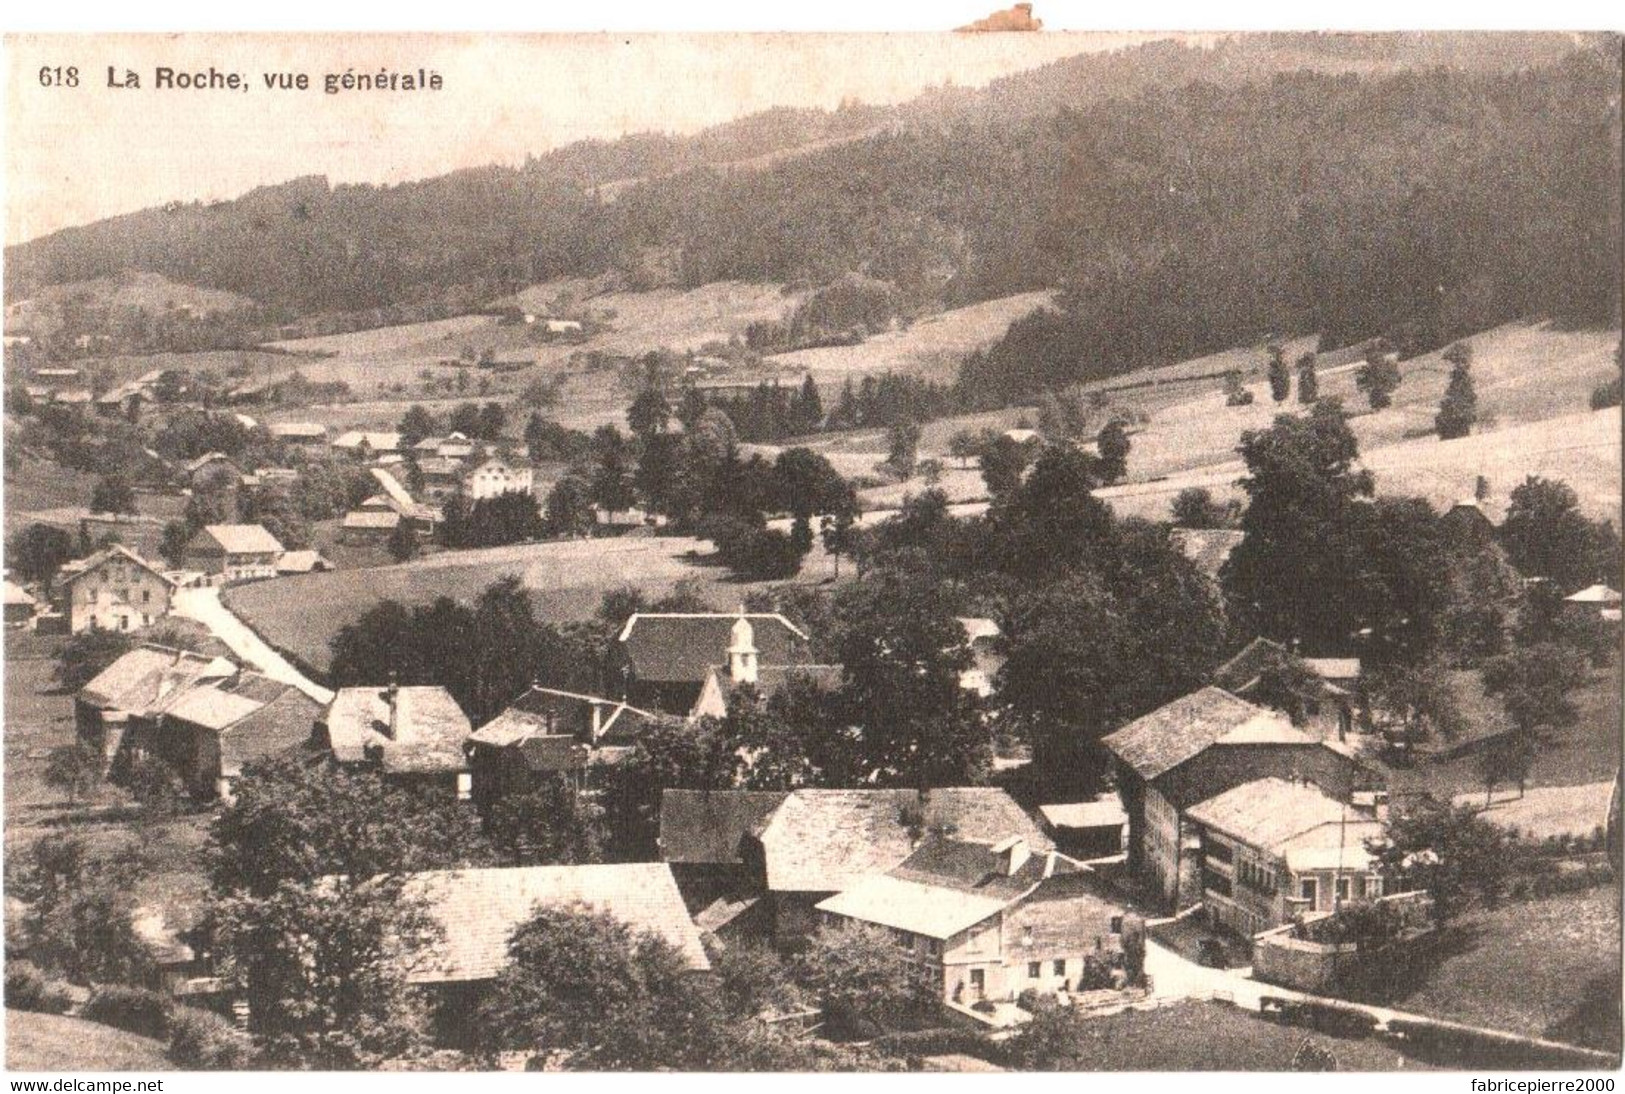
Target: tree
84,656
403,542
493,417
649,413
1235,390
964,446
902,447
1458,410
1378,377
584,987
112,494
569,506
1507,757
1308,383
1113,445
1415,703
38,551
550,824
74,768
862,980
79,918
810,407
612,477
1280,374
417,423
1194,507
1546,535
1450,851
1004,462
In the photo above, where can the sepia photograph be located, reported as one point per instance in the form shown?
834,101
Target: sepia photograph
994,549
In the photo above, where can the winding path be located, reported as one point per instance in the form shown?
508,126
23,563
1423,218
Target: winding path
204,606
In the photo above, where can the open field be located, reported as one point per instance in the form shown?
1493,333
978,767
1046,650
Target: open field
1546,811
398,341
1548,967
931,347
53,1042
132,289
567,579
1199,1036
42,484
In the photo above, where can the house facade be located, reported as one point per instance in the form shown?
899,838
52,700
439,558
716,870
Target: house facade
1274,849
494,477
233,552
114,589
1195,748
987,921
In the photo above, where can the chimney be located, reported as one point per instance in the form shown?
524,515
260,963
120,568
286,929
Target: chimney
742,651
1012,854
392,697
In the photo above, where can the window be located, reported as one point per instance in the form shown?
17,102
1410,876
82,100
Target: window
934,947
1060,966
1117,924
1342,889
1373,886
146,596
1034,970
1026,936
1307,890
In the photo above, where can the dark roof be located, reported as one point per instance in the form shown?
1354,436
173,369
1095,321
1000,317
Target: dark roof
1064,915
700,826
1242,672
559,753
681,647
772,679
975,867
551,712
279,726
1172,734
428,735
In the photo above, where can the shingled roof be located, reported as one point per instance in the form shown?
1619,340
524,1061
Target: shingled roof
708,826
429,728
1171,734
681,647
149,679
828,840
240,539
280,725
1283,817
479,910
73,571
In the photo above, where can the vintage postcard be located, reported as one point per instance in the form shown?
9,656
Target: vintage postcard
993,550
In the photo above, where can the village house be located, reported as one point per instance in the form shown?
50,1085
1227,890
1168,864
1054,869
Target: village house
1273,849
213,471
1086,830
114,589
744,670
663,659
987,921
496,476
117,714
547,733
398,498
302,434
21,606
1318,693
233,552
364,446
220,724
301,562
478,910
813,844
371,524
1195,748
410,735
442,478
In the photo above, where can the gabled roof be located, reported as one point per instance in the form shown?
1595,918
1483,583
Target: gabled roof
240,539
301,562
298,429
16,594
681,647
978,629
206,459
1268,813
1334,668
399,499
1171,734
149,679
282,724
479,910
528,716
1594,594
1207,548
708,826
828,840
1104,813
73,571
378,442
429,732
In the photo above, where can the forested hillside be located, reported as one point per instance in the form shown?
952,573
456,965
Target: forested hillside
1185,199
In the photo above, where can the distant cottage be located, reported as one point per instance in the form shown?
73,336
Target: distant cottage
410,735
233,552
114,589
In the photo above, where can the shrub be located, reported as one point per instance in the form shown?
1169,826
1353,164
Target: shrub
28,989
204,1041
134,1010
1606,395
942,1041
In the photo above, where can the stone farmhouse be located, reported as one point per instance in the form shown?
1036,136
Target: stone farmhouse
114,589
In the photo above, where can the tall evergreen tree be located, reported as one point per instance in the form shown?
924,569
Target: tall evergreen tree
1458,410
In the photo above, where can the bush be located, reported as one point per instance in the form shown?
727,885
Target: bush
134,1010
204,1041
1606,395
28,989
939,1042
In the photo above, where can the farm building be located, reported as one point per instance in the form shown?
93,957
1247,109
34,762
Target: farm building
368,525
119,710
233,552
1086,830
312,434
20,605
411,735
302,562
366,445
218,725
990,920
1195,748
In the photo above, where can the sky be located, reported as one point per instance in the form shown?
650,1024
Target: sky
78,154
